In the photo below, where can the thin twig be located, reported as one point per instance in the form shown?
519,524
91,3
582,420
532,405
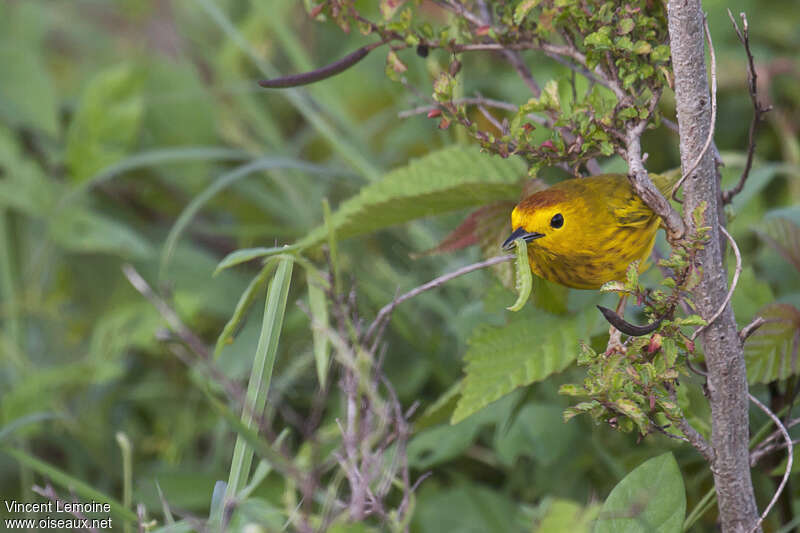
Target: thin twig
519,65
476,101
789,459
172,318
710,137
735,280
644,187
751,328
492,120
50,493
388,308
758,111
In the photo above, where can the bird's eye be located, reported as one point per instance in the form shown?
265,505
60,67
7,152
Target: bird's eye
557,221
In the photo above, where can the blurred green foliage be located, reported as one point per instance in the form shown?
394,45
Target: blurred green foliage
119,119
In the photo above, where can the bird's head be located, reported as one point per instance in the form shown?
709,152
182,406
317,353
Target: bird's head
547,218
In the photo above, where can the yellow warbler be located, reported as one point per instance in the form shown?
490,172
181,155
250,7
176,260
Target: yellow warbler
584,232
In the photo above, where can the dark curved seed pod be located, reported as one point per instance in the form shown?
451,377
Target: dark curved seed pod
626,327
321,73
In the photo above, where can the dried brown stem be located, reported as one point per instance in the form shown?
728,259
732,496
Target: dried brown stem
387,309
789,460
50,493
758,111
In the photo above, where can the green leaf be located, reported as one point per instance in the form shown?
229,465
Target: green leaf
106,123
771,352
446,180
660,53
600,39
784,236
625,26
537,431
80,230
180,110
27,92
650,499
751,294
525,351
642,47
565,516
522,9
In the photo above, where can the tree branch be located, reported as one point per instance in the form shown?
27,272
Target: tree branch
727,381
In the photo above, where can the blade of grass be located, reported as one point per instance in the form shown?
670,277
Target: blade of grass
264,163
248,254
8,285
7,430
168,518
243,305
261,373
301,101
332,248
127,473
318,307
157,157
59,477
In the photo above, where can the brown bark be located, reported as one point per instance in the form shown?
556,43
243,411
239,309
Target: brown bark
727,383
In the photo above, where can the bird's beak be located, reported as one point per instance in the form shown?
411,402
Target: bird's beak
520,233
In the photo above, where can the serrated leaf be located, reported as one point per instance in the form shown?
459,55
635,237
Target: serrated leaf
600,39
625,26
477,224
446,180
503,358
784,236
642,47
660,53
106,123
771,352
650,499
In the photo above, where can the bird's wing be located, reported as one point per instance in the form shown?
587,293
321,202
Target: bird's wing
629,210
